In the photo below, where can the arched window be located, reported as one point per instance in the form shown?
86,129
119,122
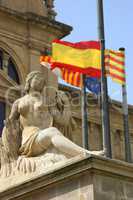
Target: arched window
2,115
1,59
7,64
12,72
7,68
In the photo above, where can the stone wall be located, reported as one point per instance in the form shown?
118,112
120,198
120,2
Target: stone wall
94,123
89,178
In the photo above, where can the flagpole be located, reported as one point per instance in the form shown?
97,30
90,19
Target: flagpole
128,156
104,88
84,114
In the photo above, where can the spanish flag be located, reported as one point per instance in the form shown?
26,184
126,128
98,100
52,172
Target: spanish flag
81,57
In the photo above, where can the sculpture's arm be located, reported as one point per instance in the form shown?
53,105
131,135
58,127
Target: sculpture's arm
11,136
11,140
14,115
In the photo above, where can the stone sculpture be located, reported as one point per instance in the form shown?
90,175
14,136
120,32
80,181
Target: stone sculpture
31,137
49,3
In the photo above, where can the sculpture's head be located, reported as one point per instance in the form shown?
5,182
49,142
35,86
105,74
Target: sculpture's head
35,81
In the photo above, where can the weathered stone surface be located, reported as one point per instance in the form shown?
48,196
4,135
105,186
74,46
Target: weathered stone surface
94,122
24,6
90,178
32,138
23,36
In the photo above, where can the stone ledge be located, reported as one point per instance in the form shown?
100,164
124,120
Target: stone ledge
37,19
76,167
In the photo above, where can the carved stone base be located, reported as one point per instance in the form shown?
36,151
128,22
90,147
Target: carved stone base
90,178
26,168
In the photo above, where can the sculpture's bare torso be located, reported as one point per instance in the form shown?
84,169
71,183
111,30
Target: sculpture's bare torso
33,112
34,115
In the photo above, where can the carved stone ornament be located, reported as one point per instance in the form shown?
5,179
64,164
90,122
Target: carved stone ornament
32,141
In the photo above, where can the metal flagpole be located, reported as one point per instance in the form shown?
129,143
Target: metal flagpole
104,89
128,156
84,114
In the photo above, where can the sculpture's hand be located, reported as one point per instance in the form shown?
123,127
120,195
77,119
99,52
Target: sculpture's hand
59,104
7,123
62,101
63,98
11,124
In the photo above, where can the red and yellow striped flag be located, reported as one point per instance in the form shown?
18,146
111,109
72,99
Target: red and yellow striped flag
115,65
45,59
73,78
82,57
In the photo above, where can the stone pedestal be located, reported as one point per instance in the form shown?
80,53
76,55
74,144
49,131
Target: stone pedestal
91,178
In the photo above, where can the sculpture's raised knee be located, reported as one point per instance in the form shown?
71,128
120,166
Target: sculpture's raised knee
53,129
54,132
49,133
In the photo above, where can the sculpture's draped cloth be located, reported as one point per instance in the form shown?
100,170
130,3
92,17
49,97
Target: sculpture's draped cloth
29,141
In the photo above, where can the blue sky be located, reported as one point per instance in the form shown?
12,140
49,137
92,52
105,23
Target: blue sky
118,16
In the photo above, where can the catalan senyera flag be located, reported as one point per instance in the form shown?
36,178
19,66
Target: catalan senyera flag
82,57
73,78
45,57
115,65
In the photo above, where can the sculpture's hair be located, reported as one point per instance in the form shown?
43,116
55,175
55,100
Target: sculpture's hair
29,78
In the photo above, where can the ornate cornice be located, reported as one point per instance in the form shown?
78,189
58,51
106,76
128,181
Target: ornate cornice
38,19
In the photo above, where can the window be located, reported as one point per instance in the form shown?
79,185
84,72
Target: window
12,72
7,65
2,116
1,59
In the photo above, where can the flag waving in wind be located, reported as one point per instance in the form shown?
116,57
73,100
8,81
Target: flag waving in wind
82,57
93,84
115,65
69,60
